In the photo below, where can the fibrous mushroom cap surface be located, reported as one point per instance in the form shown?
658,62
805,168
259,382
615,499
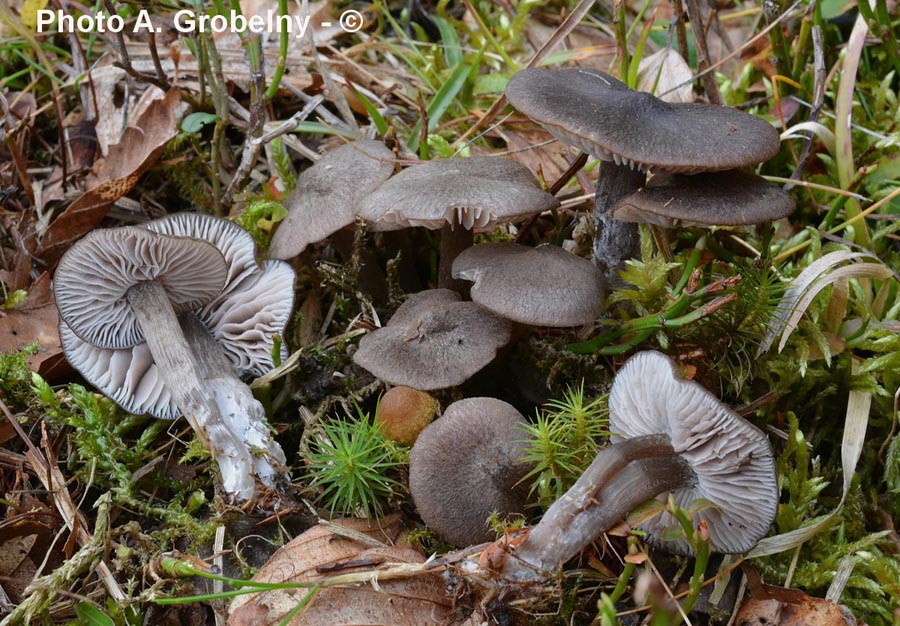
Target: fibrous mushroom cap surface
543,286
727,198
475,192
601,116
433,341
466,465
327,194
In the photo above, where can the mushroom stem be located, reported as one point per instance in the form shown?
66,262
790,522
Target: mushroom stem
454,239
183,377
244,415
614,242
621,477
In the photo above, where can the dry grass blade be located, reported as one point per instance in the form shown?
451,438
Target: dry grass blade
789,303
858,270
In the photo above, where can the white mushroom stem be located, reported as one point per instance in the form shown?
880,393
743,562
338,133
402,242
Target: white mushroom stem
621,477
614,241
192,394
243,414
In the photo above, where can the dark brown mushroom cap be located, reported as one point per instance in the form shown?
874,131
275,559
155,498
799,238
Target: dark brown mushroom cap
728,198
478,192
543,286
466,465
731,458
602,116
433,341
94,275
327,195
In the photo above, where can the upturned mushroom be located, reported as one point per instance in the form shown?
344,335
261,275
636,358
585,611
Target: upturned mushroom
327,194
542,286
633,132
458,196
433,341
132,326
670,435
467,465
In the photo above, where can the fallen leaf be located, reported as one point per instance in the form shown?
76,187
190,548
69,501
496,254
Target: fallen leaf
118,104
769,605
113,177
665,70
35,320
318,553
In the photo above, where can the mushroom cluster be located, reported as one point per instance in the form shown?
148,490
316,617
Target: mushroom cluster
632,133
165,317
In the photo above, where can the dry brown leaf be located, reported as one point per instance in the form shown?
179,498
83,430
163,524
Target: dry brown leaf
319,553
118,104
529,147
113,177
769,605
36,319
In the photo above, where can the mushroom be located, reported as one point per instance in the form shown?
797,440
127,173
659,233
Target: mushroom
542,286
669,435
433,341
467,465
457,195
150,361
632,132
404,412
327,194
728,198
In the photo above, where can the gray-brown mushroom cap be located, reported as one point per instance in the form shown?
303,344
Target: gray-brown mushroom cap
476,192
729,198
327,195
468,464
95,274
543,286
433,341
731,458
603,117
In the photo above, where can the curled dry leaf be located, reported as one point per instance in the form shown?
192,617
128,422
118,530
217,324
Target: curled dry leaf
117,104
770,605
139,148
320,554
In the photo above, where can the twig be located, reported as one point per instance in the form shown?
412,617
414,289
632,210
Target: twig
253,146
818,101
54,482
157,65
566,176
709,81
